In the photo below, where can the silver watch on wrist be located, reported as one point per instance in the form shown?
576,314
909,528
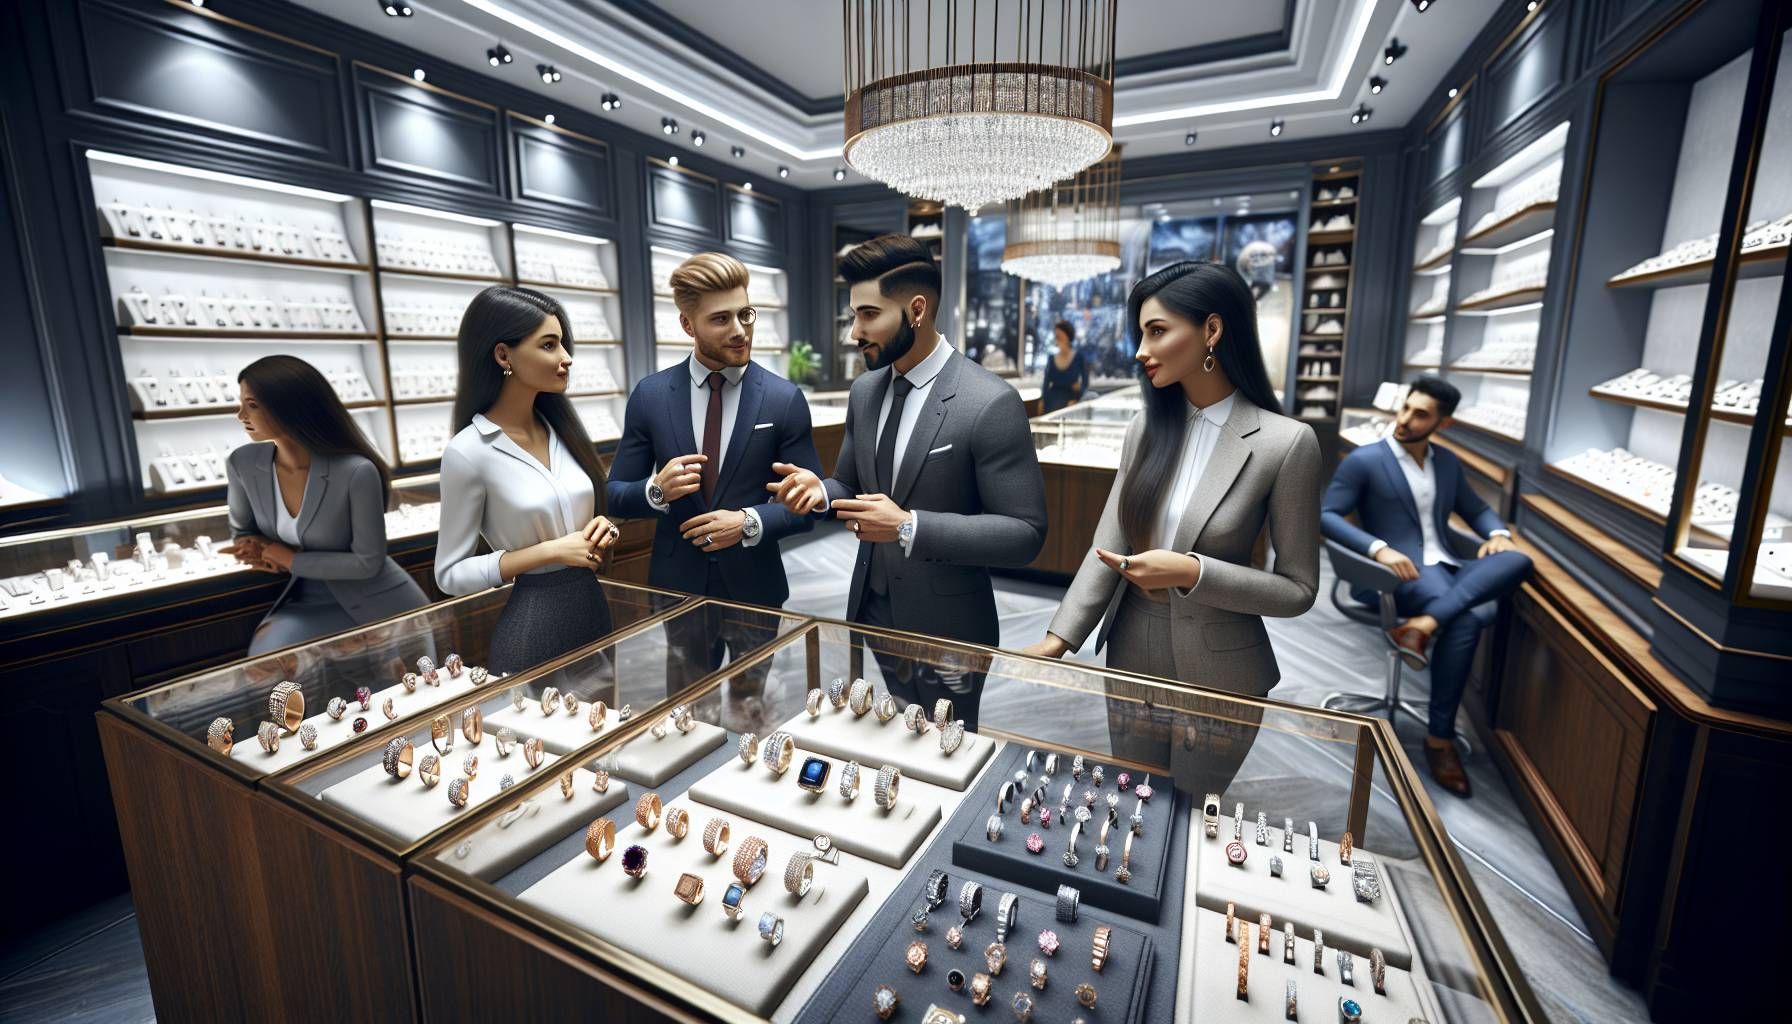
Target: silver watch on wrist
905,534
654,494
749,527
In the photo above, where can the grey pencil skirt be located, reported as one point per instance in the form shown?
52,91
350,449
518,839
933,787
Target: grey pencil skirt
548,614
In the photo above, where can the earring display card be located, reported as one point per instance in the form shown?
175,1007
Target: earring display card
517,835
837,732
858,827
1250,887
332,733
1008,857
880,958
1214,981
722,956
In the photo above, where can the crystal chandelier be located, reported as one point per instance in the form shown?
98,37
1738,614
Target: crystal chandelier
1068,232
969,103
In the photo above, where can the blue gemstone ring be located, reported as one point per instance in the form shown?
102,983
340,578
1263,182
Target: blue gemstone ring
1349,1011
814,774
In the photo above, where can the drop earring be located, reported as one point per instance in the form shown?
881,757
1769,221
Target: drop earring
1206,364
507,369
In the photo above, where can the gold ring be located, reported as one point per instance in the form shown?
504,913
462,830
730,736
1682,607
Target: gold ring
219,735
429,770
1103,936
386,706
566,785
441,736
550,700
532,752
596,715
715,836
397,758
749,860
647,811
286,705
678,823
472,725
600,839
689,889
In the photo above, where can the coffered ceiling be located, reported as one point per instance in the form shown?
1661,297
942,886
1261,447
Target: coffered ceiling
765,75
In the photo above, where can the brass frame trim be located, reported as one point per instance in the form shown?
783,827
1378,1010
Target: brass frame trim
558,130
206,12
1460,97
425,85
682,169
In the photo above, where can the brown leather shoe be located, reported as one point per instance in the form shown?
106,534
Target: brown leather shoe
1447,768
1410,643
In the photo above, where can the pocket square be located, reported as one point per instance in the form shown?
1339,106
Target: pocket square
762,426
941,448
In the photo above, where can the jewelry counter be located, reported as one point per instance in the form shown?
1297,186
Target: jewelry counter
1079,452
846,849
296,887
95,611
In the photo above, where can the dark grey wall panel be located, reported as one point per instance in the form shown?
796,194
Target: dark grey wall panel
554,168
1448,145
412,131
683,202
754,219
210,77
1529,71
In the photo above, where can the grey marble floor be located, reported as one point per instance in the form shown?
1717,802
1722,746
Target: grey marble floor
90,967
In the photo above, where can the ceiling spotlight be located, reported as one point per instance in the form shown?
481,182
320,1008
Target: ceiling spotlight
1189,139
1530,6
673,160
839,174
548,72
549,119
1395,50
697,138
498,55
1275,127
396,10
737,152
1376,84
783,172
1361,114
1454,91
1421,5
610,101
417,73
668,126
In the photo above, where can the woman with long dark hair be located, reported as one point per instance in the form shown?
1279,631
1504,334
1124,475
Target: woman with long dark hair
1066,371
309,499
1207,465
521,474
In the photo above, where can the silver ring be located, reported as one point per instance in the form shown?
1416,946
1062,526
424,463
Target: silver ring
853,526
707,538
1125,563
1007,913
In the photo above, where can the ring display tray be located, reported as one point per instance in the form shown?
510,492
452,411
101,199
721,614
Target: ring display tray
1347,923
727,958
490,853
1008,857
650,762
879,958
1214,982
559,732
860,827
838,733
331,733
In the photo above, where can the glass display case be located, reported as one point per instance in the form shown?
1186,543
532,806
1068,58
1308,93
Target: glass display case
868,839
158,554
364,682
1079,441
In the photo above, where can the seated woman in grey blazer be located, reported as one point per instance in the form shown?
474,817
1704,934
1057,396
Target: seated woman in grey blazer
1205,467
309,499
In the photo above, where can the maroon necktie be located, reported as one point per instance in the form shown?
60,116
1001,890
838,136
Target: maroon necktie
712,436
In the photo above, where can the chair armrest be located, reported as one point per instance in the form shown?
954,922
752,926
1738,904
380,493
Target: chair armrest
1360,570
1463,544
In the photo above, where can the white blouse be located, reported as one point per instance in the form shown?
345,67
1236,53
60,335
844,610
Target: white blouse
286,525
1203,428
494,489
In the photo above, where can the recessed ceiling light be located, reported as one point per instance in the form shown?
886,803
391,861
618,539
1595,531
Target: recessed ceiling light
1376,84
673,160
418,74
698,138
1275,127
549,119
1189,139
198,3
1454,91
746,186
783,172
1531,6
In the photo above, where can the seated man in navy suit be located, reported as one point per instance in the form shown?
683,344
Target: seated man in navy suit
1402,492
713,424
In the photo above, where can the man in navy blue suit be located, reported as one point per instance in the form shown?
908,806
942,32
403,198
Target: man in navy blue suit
1402,492
713,425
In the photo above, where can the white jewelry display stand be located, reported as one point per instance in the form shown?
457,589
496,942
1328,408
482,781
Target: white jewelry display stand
839,733
407,810
650,762
499,848
1210,973
332,733
859,827
1348,924
559,733
722,956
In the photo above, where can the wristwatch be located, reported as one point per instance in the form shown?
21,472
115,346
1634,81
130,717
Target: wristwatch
749,527
905,534
654,494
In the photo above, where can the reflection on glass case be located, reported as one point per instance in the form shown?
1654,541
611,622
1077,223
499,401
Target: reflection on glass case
936,823
1079,442
95,564
270,712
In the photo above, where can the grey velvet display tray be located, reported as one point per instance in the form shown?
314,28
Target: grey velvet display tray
1007,858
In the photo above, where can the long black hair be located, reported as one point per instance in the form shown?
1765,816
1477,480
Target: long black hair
309,411
1191,290
504,315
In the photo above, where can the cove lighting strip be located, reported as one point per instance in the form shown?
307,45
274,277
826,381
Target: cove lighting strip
422,211
530,229
218,176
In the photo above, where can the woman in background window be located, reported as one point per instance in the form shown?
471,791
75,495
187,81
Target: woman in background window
1066,372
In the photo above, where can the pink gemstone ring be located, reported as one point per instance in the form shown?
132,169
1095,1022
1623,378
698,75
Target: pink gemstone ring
1048,942
1035,843
1124,781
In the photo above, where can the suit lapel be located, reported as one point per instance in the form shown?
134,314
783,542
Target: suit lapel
263,492
1223,466
870,407
746,411
678,409
1444,500
927,429
317,480
1390,467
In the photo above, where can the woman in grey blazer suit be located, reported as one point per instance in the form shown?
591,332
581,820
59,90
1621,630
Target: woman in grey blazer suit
1172,580
310,500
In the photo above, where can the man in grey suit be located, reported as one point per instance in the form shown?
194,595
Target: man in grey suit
936,476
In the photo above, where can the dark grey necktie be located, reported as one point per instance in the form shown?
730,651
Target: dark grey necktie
879,579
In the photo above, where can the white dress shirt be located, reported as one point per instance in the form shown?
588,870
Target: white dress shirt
286,525
1422,481
700,419
1201,435
922,377
494,489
